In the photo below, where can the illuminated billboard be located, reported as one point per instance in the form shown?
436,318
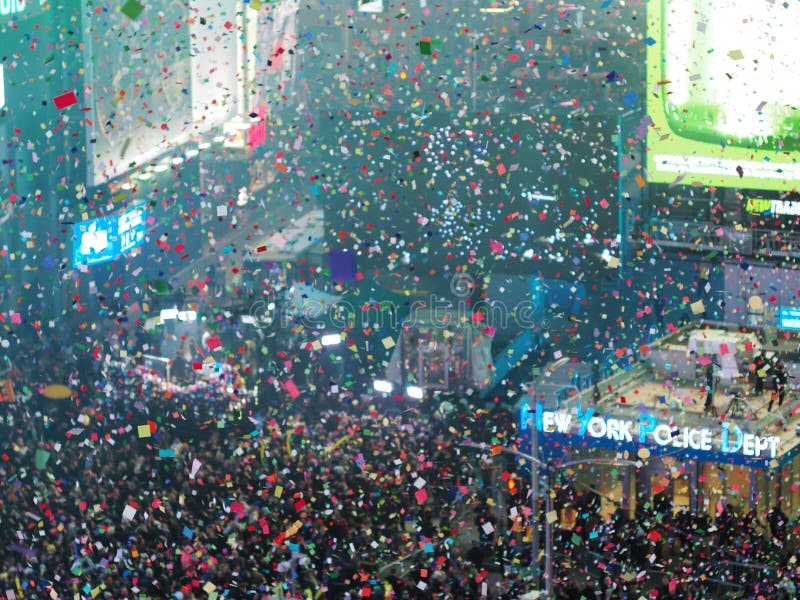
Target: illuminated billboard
775,207
155,79
18,10
138,91
102,240
789,318
722,93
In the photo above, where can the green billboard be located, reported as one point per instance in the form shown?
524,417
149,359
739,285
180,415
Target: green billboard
723,93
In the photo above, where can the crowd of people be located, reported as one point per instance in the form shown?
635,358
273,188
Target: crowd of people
133,488
663,553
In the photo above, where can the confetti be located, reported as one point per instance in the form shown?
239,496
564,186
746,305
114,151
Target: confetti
132,9
488,209
65,100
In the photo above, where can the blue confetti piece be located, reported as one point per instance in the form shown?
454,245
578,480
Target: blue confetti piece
630,98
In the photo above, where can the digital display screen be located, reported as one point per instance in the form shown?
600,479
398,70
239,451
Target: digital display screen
138,82
101,240
18,10
789,318
722,93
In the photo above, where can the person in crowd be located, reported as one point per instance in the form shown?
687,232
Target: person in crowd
780,378
777,523
156,490
759,374
711,386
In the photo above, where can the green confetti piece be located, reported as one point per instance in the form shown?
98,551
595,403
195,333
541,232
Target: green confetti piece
132,9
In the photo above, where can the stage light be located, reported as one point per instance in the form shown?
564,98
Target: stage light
331,339
380,385
414,391
168,314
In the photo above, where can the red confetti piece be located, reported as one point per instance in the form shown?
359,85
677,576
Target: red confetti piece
64,100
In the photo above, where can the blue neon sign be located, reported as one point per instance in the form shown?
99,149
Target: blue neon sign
101,240
789,318
585,427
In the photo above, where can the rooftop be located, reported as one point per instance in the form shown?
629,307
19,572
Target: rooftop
663,391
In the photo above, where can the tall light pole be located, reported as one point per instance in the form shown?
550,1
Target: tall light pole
548,534
536,464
